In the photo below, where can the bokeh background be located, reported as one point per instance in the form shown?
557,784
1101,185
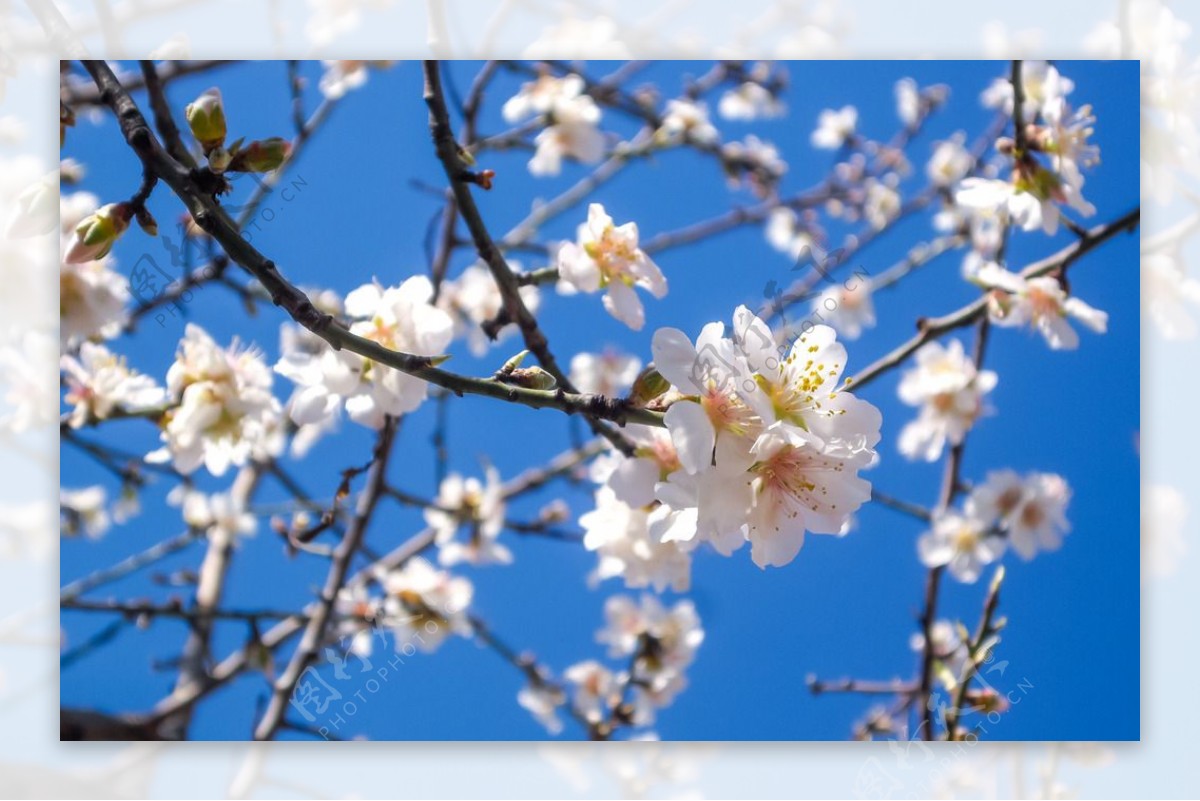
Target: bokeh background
36,763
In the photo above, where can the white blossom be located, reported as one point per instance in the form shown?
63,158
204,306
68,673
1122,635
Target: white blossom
948,388
848,309
221,411
571,115
835,127
1040,303
1043,86
687,120
425,605
543,701
608,373
621,536
749,101
477,506
961,542
1031,510
398,318
785,233
84,511
596,689
882,203
473,299
30,389
222,516
950,162
607,256
100,383
344,76
908,101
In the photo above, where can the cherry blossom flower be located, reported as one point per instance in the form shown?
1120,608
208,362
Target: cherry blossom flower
801,483
801,387
543,701
596,689
425,605
664,643
950,162
962,542
572,119
882,203
1032,510
786,234
222,516
1043,86
355,614
716,373
298,345
749,101
607,256
478,506
474,299
848,309
835,128
949,390
609,373
100,383
908,101
399,318
949,650
621,536
344,76
1042,304
687,120
757,154
221,411
84,511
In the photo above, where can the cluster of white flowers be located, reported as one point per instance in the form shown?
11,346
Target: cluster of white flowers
99,384
686,120
1032,196
474,299
607,256
762,447
749,101
420,604
948,389
755,161
398,318
657,643
92,296
571,118
479,507
220,408
1029,513
222,516
662,642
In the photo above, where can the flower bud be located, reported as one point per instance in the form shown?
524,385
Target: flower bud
649,385
206,118
94,236
261,155
530,378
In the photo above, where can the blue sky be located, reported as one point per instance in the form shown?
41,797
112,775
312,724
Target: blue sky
844,607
